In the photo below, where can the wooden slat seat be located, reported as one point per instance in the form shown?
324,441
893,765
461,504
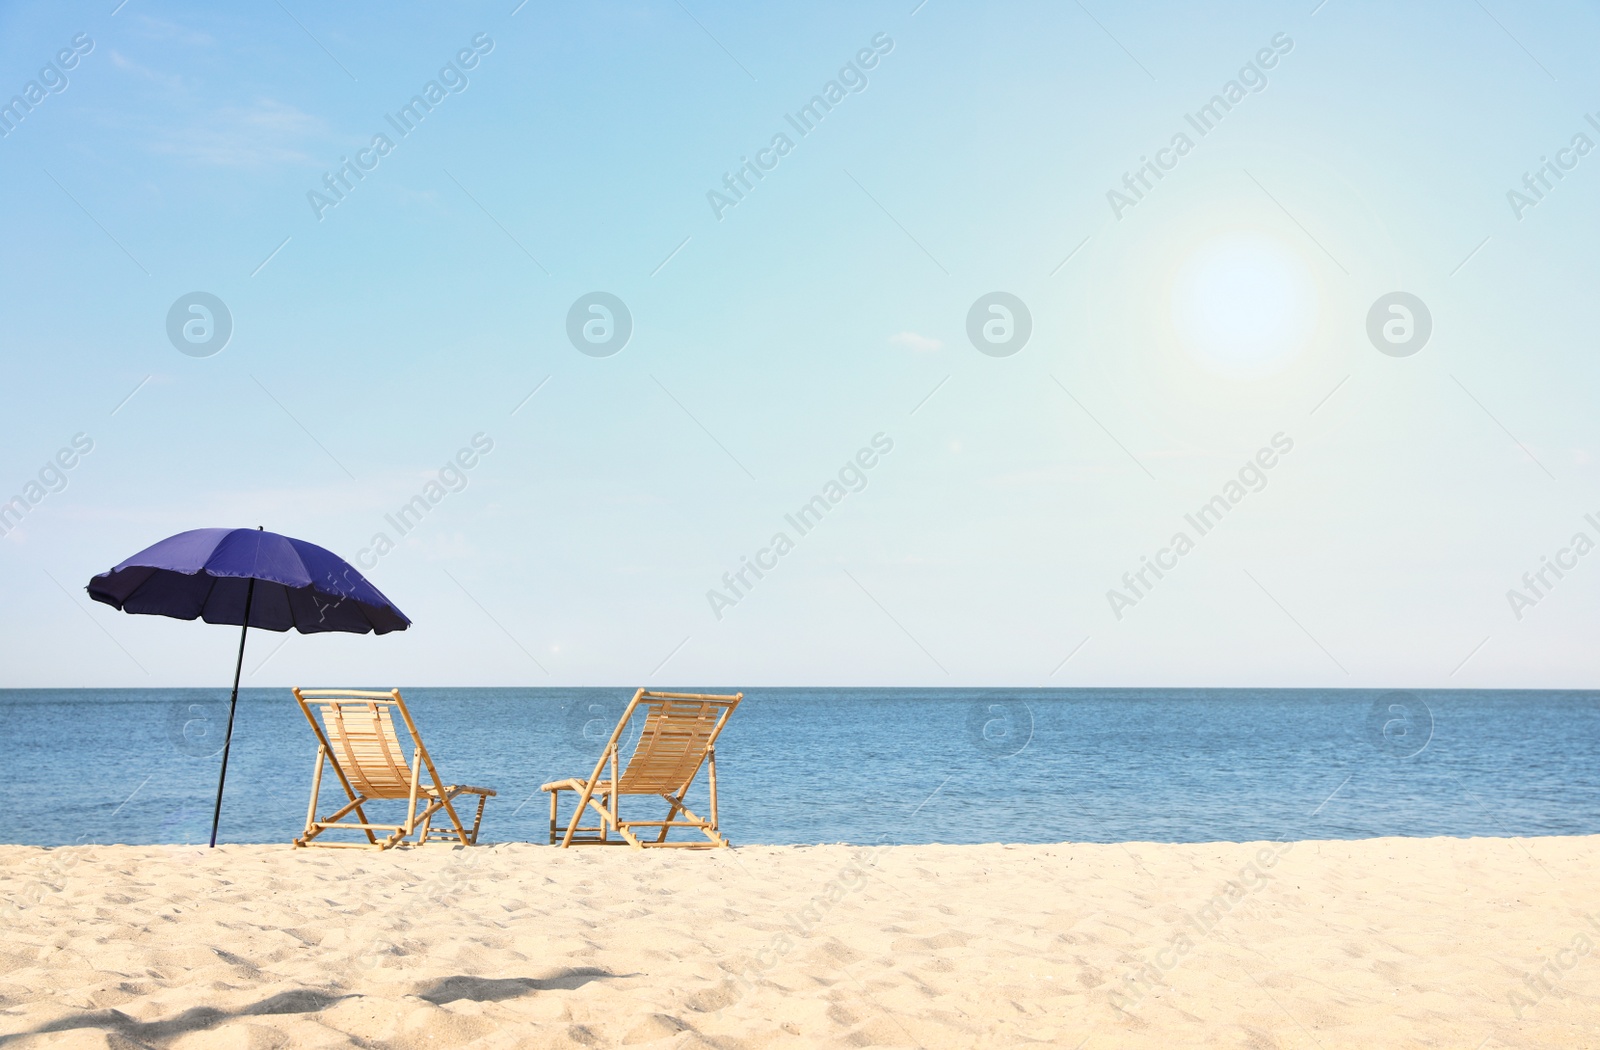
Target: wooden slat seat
679,736
356,736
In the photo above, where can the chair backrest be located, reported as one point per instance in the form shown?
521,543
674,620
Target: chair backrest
358,729
679,731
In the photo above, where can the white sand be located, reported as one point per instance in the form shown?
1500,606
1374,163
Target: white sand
1379,943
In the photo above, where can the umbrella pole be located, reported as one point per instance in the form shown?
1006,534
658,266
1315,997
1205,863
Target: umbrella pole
233,703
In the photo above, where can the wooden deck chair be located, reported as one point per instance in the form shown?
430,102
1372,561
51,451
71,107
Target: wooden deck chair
680,734
356,736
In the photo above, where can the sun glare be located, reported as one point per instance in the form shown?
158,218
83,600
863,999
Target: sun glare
1244,304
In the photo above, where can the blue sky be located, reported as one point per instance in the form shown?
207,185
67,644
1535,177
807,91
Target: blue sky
1171,340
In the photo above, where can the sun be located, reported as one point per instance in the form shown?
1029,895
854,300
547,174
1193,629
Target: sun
1244,304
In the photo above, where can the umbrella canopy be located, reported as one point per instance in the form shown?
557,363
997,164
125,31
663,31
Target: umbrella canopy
251,578
209,573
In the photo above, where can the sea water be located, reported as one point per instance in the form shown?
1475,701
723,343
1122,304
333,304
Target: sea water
857,765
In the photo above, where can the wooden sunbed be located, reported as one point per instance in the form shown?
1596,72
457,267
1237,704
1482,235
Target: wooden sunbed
356,736
679,736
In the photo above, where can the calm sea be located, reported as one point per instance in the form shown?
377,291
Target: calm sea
861,765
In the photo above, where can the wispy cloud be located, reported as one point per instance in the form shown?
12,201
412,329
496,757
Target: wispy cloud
913,341
179,115
262,133
170,81
161,29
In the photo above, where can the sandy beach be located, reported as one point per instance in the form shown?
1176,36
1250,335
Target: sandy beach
1378,943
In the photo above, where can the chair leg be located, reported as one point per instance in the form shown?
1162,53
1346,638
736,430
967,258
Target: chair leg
416,777
425,820
583,802
362,814
336,816
671,816
606,819
316,790
477,821
708,829
712,755
560,836
355,803
455,820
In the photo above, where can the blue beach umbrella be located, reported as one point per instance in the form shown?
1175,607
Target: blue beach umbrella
252,578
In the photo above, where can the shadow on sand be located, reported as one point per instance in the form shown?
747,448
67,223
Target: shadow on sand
495,989
305,1001
196,1019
